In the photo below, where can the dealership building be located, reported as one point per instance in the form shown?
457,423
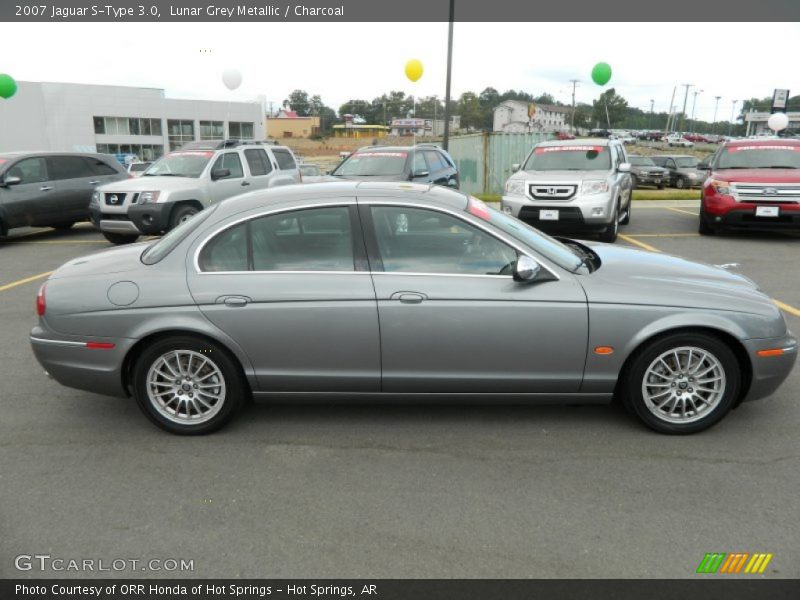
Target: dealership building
118,120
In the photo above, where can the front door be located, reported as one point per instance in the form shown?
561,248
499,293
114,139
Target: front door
452,319
33,199
232,184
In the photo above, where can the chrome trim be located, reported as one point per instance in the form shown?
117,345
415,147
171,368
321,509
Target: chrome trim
415,274
284,272
57,342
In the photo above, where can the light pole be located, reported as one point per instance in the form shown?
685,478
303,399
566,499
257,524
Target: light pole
694,103
685,98
715,113
650,119
730,125
572,117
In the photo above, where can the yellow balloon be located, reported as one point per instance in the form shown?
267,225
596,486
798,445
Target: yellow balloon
414,69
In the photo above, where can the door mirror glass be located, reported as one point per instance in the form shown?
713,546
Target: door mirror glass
11,180
526,269
421,174
624,167
220,174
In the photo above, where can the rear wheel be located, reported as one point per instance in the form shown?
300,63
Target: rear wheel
188,386
120,238
682,383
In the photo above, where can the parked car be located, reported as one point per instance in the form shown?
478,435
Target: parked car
623,136
51,189
696,138
184,182
683,171
135,169
677,140
266,295
564,135
311,173
599,133
578,186
752,184
645,172
422,163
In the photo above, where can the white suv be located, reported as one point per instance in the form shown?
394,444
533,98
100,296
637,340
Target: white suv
186,181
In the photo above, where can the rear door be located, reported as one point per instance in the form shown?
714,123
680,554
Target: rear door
30,201
75,181
260,167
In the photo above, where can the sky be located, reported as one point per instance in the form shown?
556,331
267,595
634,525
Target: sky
340,61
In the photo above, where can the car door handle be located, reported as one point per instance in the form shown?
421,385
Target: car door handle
94,182
244,183
45,188
409,297
234,301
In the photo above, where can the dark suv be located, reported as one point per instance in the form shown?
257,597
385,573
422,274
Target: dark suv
683,171
51,189
423,163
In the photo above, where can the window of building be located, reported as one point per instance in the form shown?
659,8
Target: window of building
127,126
241,131
179,132
212,130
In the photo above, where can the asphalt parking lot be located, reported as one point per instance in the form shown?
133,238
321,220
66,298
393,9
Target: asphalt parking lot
406,491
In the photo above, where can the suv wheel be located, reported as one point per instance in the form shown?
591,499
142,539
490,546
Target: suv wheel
704,227
181,213
682,383
627,218
120,238
609,236
680,183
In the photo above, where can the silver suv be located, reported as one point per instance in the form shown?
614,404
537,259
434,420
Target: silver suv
186,181
572,186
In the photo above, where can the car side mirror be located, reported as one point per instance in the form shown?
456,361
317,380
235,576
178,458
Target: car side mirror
526,269
220,174
420,174
624,167
11,181
515,167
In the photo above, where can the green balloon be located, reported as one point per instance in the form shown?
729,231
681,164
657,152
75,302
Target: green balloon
8,87
601,74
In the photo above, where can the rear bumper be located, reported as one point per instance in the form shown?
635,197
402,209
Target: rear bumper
69,361
769,372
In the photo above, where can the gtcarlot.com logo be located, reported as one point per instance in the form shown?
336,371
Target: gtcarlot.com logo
734,563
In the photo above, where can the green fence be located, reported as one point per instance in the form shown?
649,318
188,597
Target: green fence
484,159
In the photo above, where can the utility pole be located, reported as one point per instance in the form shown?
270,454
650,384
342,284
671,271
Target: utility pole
685,98
572,117
716,105
650,120
694,103
446,137
668,126
730,125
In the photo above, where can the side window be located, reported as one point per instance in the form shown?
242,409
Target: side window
434,161
258,162
29,170
98,167
68,167
229,160
227,251
620,155
419,162
317,239
414,240
284,158
671,164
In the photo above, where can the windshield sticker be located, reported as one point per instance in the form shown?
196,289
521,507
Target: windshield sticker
568,149
188,153
764,147
479,209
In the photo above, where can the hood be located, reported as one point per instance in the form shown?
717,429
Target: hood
648,169
649,278
758,175
400,177
114,260
154,183
567,176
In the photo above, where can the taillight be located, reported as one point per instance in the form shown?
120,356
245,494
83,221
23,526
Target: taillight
40,301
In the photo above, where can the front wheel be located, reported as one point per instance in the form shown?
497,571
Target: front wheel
627,218
682,383
188,386
120,238
609,236
680,183
182,213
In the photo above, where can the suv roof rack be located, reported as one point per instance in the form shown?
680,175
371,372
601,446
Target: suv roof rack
219,144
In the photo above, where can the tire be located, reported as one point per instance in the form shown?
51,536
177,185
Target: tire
183,410
680,183
627,218
658,371
704,227
180,213
609,236
63,226
661,186
120,238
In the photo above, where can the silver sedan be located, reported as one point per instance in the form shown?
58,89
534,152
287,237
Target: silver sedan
382,291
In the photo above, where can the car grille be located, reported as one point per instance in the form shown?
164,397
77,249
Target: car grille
773,193
115,199
115,217
552,191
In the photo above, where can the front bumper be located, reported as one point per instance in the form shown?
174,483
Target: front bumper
69,361
769,372
744,215
581,213
148,219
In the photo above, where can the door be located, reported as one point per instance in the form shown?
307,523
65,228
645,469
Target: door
436,166
232,184
75,182
260,168
292,288
33,198
452,318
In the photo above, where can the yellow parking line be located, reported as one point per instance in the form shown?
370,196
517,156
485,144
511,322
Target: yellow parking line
787,308
55,242
685,212
630,240
14,284
666,235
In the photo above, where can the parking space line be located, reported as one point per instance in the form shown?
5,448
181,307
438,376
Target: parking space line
55,242
14,284
665,235
787,308
679,210
630,240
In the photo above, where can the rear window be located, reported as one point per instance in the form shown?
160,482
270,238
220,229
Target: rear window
284,158
373,163
164,246
759,156
569,158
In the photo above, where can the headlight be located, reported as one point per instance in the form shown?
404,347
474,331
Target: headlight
146,197
692,175
594,186
95,199
722,188
515,187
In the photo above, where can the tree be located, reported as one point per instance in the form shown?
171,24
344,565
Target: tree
299,102
615,105
469,107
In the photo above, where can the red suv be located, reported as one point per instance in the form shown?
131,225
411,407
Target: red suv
752,183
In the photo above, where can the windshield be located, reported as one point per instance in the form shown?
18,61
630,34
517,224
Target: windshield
759,157
139,166
164,246
373,163
687,162
569,158
641,161
180,164
548,247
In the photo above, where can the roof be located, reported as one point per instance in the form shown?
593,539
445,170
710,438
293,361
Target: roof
776,141
578,142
